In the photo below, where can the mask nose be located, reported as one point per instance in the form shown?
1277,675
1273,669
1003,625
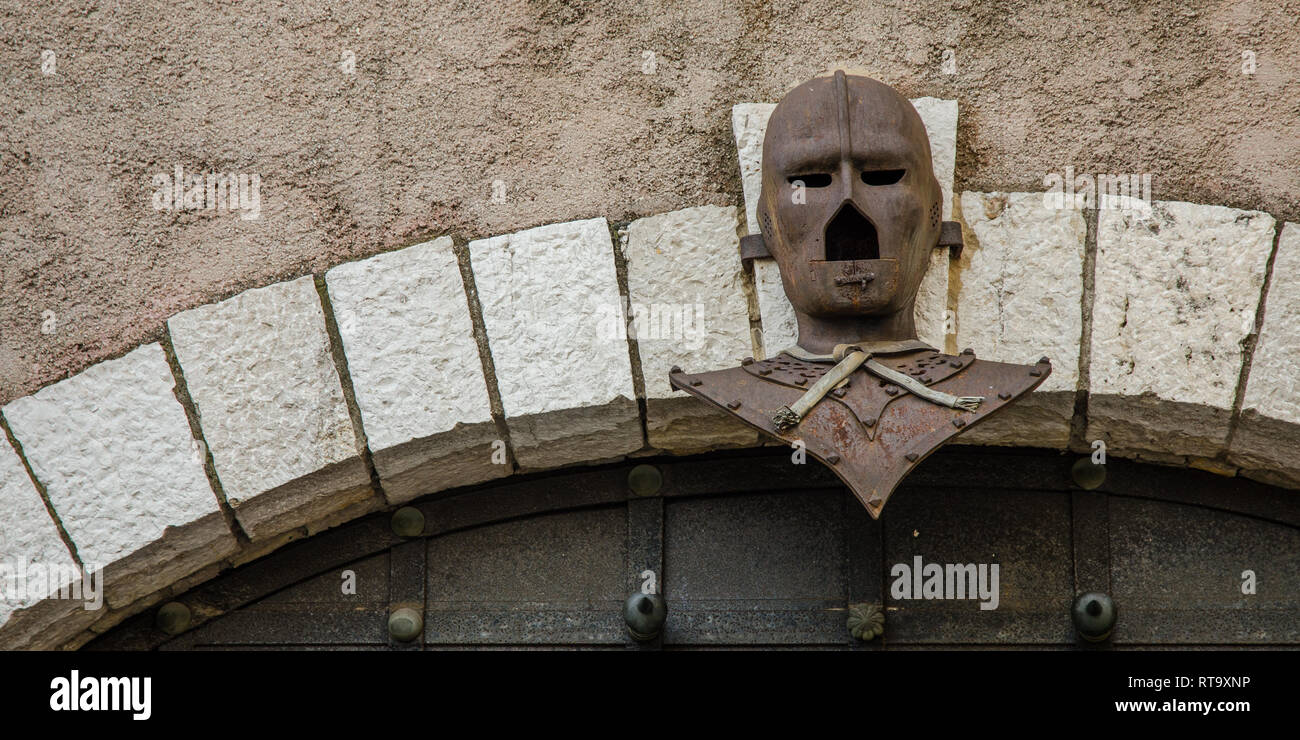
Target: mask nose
851,236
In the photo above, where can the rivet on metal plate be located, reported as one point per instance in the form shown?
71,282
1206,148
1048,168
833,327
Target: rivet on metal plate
1094,615
408,521
645,480
405,624
173,618
1088,475
644,615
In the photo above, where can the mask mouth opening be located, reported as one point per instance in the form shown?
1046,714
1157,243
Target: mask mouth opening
851,236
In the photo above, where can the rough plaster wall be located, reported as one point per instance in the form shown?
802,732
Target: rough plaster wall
550,98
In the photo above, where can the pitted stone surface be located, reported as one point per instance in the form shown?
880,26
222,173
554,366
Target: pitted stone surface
270,404
688,303
113,449
1268,435
27,536
940,117
1021,299
552,310
932,301
687,293
780,327
1273,388
749,124
1176,295
409,342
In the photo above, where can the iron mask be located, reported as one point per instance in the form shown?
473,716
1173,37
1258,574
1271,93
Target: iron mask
849,208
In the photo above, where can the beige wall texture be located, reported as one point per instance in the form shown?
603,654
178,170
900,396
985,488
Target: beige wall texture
375,125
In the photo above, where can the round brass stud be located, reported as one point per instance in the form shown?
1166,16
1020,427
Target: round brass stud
645,480
173,618
405,624
645,615
1094,616
408,521
1087,475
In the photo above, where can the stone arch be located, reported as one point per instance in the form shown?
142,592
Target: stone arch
292,408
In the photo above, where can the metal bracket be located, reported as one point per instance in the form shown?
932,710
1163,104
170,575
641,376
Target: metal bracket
753,247
950,237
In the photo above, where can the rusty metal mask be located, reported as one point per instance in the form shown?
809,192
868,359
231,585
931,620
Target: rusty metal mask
849,206
850,209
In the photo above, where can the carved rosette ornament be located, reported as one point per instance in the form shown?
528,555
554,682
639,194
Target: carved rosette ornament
850,210
866,621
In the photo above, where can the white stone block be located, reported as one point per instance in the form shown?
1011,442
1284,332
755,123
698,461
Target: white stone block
1273,388
749,124
940,117
114,451
552,309
931,307
271,406
1177,286
780,325
30,544
1268,432
686,286
1021,299
409,341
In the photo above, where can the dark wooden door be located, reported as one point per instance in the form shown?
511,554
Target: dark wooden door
751,550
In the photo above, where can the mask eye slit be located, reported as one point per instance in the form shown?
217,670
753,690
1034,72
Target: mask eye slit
882,177
813,180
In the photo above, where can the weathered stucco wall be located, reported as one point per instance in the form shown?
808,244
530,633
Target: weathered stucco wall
561,103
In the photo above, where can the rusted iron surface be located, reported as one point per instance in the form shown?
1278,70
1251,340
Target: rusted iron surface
950,236
873,434
753,247
867,405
